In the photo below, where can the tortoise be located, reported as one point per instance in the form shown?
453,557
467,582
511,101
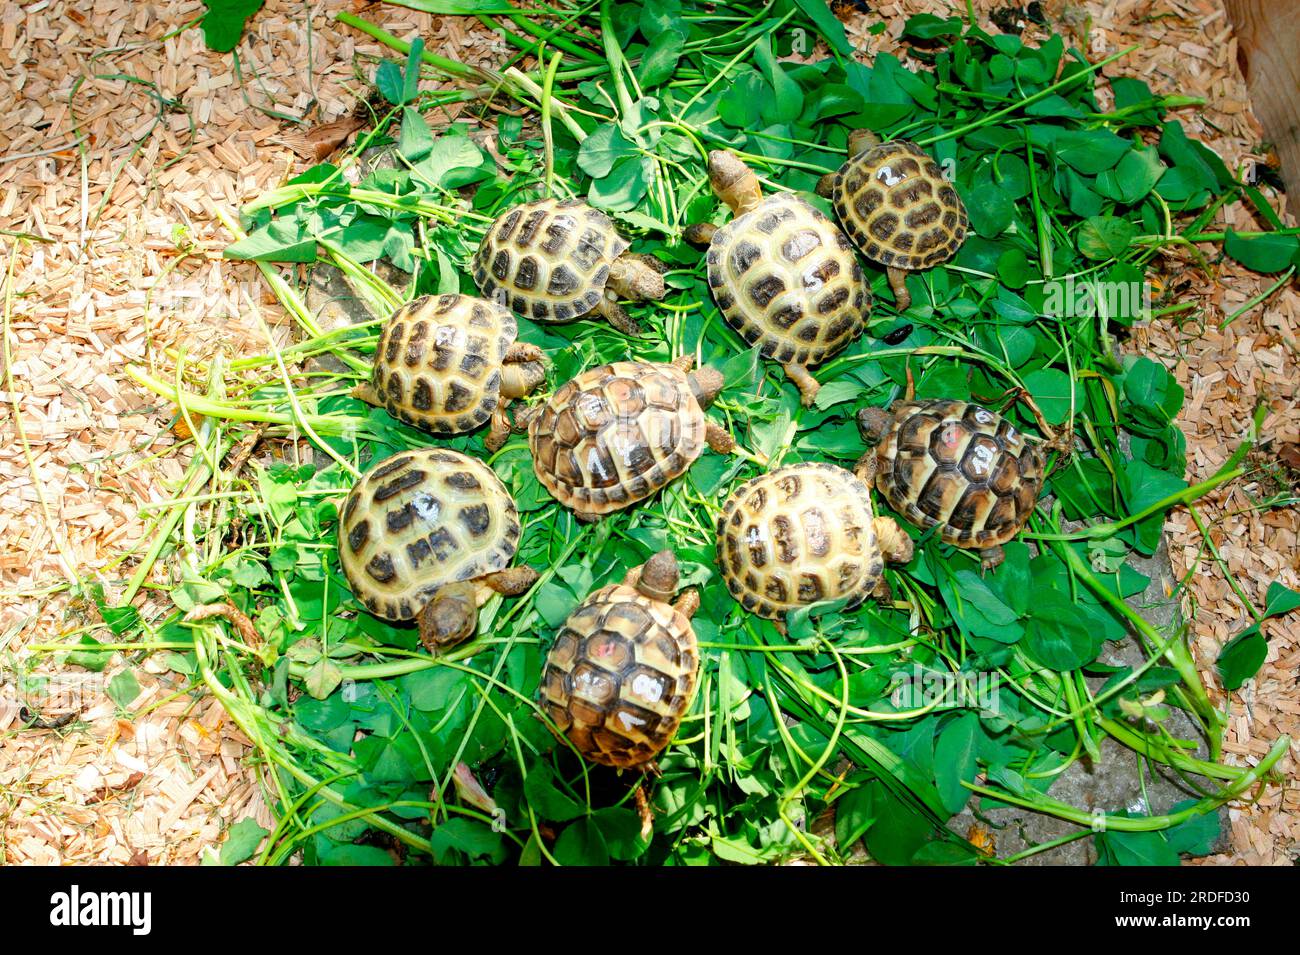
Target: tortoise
556,260
622,672
805,533
783,274
957,466
896,205
617,433
449,363
429,534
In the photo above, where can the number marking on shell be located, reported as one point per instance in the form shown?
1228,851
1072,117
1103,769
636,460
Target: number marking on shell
620,676
898,208
962,467
786,278
438,362
419,520
548,259
799,535
616,434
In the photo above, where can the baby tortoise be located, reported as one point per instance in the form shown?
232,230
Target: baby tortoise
429,534
623,670
783,275
896,205
556,260
449,363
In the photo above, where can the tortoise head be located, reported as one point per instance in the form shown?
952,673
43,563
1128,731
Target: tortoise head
638,277
873,424
733,181
449,617
706,384
860,140
659,576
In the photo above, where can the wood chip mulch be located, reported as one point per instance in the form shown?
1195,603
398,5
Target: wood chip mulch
122,131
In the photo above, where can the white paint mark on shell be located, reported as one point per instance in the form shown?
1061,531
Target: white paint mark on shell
887,175
630,720
427,506
648,688
981,460
450,335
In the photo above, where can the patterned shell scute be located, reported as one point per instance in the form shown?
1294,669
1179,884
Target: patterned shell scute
621,676
798,535
616,434
419,520
549,259
786,278
896,205
438,363
960,466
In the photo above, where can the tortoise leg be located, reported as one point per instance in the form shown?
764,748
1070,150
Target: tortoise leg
898,282
865,468
587,517
616,316
991,557
524,417
1063,443
684,362
701,233
366,392
449,617
893,540
643,808
882,592
718,438
687,602
807,384
512,581
499,427
826,185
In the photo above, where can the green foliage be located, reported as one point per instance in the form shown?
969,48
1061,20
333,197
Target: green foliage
223,24
1055,188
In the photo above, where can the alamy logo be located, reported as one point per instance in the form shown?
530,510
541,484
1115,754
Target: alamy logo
74,907
1068,298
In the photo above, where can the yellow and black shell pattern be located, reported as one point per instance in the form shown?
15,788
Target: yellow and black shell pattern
621,676
962,467
786,278
549,259
799,535
421,519
896,205
616,434
438,362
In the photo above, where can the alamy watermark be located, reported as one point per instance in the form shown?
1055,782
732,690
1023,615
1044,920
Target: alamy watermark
941,689
1073,297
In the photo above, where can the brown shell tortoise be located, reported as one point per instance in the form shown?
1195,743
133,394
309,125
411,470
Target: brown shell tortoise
622,672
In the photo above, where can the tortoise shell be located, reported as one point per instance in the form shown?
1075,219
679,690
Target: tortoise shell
785,277
621,676
438,363
549,259
798,535
421,519
616,434
959,466
898,208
